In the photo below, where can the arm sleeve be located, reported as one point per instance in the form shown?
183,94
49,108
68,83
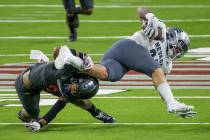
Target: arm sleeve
56,108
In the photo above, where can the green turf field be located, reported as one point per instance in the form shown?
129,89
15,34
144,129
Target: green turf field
25,25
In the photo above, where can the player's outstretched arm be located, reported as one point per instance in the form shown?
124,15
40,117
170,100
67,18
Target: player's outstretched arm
36,125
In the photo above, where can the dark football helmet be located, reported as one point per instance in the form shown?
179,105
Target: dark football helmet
86,87
177,42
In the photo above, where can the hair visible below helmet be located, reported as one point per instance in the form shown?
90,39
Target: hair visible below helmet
87,86
177,42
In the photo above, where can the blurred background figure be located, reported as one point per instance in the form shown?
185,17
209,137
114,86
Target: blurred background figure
72,19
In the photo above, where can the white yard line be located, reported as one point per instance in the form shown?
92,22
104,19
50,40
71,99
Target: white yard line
149,123
87,37
99,54
96,21
14,55
103,6
116,97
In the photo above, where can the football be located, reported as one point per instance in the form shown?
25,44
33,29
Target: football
56,52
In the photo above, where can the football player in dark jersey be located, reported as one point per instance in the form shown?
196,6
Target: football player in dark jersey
68,84
72,19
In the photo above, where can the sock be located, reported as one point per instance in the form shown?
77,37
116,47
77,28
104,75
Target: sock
92,110
166,93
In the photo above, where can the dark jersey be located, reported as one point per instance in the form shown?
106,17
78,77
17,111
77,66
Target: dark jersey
42,75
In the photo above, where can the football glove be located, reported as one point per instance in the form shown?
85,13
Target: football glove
88,63
151,30
33,126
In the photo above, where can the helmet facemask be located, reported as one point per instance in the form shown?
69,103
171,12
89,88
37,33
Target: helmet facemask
177,43
82,87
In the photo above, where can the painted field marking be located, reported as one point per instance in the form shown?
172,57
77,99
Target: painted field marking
99,54
97,21
104,6
4,96
87,37
46,101
149,123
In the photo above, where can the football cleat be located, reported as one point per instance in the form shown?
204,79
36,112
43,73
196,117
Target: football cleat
63,56
187,114
102,116
179,107
73,35
22,118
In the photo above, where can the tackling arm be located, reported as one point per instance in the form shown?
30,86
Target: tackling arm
36,125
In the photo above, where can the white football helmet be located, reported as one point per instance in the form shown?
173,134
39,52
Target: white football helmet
177,42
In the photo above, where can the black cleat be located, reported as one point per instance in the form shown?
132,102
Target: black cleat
104,117
73,35
73,24
20,117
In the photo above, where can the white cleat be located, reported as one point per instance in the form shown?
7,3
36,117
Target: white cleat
181,110
63,56
179,107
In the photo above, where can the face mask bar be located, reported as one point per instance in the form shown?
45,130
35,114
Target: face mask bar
176,50
83,87
177,43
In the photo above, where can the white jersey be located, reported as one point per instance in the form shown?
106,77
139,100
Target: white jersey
157,48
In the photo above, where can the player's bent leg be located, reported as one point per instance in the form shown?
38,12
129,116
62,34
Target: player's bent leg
88,11
98,71
173,106
71,18
80,10
108,70
95,112
73,24
86,7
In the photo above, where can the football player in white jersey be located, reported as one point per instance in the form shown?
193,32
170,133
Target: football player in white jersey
164,44
149,51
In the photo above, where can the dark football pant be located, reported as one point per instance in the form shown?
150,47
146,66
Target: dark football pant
29,98
72,11
127,55
70,7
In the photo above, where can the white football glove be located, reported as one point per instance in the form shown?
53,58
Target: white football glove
88,63
33,126
151,30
